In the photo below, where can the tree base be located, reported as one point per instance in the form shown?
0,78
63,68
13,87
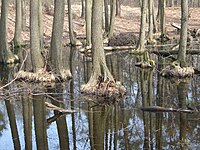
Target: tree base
107,89
177,71
43,76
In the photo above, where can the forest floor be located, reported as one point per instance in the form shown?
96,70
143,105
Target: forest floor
128,22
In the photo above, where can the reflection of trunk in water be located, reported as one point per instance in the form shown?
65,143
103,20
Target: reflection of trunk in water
40,122
13,125
182,93
27,119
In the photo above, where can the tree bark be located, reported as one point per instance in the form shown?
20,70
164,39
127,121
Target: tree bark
183,33
88,22
6,56
71,32
140,45
37,59
112,18
18,23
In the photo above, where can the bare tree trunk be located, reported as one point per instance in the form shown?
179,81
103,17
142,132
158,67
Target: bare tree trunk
118,8
71,32
18,24
40,24
83,9
37,59
183,33
106,16
140,45
150,33
162,19
56,50
23,15
112,18
88,22
6,56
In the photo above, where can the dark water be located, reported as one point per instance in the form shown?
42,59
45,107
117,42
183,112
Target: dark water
25,123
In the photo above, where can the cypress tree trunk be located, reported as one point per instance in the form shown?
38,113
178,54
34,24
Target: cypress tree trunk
37,58
112,18
88,22
56,56
183,33
18,24
71,33
6,56
141,42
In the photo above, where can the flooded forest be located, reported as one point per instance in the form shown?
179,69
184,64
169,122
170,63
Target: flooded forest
100,74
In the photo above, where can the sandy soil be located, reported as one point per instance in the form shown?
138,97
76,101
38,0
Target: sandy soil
128,22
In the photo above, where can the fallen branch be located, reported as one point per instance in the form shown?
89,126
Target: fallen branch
175,52
59,109
163,109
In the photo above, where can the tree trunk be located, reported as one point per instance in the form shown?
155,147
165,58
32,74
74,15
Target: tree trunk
183,33
162,19
40,24
82,8
141,42
56,56
106,15
88,22
112,18
37,59
150,33
23,15
6,56
18,23
118,8
71,33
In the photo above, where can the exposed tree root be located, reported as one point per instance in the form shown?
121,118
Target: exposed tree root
145,64
177,71
44,76
107,89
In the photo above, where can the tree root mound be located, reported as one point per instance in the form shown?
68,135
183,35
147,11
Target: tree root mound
42,76
123,39
177,71
106,89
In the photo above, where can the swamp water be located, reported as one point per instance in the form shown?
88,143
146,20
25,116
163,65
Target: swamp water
25,123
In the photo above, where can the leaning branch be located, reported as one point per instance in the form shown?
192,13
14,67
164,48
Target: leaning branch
59,109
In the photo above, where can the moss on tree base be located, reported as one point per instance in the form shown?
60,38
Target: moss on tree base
177,71
106,89
43,76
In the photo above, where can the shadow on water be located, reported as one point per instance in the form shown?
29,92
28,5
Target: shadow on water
26,122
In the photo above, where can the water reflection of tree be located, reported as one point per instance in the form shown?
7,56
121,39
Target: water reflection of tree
40,121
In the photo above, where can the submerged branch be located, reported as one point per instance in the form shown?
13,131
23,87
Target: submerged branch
164,109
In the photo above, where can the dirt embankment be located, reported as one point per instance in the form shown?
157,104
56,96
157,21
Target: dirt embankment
128,22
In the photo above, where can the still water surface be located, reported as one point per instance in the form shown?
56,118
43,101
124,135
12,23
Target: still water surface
25,123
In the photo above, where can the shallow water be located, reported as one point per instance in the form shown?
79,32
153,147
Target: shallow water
25,123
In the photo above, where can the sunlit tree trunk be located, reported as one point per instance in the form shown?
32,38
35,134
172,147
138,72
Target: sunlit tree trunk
183,33
6,56
112,17
56,50
99,63
18,23
37,58
71,32
88,22
141,42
